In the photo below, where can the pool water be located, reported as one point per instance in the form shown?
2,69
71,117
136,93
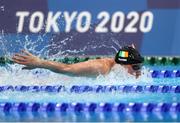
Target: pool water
20,89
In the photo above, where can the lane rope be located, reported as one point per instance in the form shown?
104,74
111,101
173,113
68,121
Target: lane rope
94,89
88,107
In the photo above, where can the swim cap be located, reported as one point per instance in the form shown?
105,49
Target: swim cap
128,55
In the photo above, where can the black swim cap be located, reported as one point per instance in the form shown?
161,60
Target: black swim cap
128,55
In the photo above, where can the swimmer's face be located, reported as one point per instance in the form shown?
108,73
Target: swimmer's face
134,69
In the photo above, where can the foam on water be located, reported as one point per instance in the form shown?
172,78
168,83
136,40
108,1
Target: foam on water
14,75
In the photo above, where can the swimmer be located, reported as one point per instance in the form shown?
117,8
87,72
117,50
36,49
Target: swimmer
127,56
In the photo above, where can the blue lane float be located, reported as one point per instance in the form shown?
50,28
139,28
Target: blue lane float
79,89
89,107
165,73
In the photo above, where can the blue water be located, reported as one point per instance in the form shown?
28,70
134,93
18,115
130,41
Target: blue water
13,75
92,97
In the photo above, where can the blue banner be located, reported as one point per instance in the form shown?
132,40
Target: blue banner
90,27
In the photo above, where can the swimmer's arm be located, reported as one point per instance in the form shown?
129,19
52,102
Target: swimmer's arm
91,67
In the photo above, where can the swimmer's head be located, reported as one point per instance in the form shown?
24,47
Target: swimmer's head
130,58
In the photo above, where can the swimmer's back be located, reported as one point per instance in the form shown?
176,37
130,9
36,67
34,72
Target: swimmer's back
98,66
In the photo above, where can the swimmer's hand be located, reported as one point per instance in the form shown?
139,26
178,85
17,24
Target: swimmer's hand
25,58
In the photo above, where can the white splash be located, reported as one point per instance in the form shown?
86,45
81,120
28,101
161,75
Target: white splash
14,75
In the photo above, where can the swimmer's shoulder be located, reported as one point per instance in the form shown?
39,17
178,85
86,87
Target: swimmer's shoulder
108,61
108,64
104,64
